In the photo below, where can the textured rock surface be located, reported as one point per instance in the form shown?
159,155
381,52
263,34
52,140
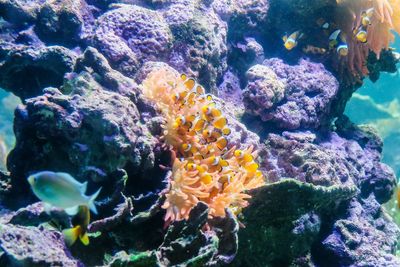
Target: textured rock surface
90,132
283,221
31,246
354,240
78,65
40,68
129,35
63,21
291,97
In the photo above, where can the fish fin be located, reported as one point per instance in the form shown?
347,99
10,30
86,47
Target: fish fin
91,204
47,207
71,234
84,239
72,211
84,187
284,38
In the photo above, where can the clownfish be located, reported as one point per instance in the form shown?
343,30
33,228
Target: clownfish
251,167
343,49
180,97
191,166
210,112
366,17
226,131
333,39
210,135
338,41
291,41
242,156
361,34
184,121
189,149
206,178
216,163
220,122
192,85
221,143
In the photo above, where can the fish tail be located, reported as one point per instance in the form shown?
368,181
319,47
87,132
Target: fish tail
84,239
71,234
91,204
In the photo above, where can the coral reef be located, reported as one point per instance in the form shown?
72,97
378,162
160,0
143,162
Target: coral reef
279,242
32,246
40,68
247,153
291,97
211,169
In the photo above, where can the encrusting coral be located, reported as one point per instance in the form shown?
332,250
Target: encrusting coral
207,168
385,18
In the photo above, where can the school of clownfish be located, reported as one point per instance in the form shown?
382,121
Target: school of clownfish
206,168
337,39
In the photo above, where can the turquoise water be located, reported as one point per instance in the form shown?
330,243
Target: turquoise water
378,104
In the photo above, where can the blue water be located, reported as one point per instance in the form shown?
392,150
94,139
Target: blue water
378,104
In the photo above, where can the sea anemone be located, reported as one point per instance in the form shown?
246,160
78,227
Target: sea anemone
207,167
385,18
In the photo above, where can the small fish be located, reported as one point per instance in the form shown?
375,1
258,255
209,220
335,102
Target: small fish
61,190
220,122
210,111
182,121
226,131
211,135
216,163
361,34
191,166
366,17
221,143
192,85
188,149
251,167
80,223
291,41
180,97
338,41
206,178
343,49
198,124
243,156
334,39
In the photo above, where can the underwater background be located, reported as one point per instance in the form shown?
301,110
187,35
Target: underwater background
377,104
199,133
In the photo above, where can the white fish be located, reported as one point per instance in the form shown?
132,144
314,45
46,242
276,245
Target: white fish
61,190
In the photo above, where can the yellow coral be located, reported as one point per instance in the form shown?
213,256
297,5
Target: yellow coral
207,168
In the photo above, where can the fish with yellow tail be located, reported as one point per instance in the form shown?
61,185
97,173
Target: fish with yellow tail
366,17
80,224
291,41
61,190
361,34
337,40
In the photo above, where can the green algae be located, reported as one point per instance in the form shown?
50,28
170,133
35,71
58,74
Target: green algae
283,220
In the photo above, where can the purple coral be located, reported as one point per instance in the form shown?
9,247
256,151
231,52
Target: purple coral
129,35
291,97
